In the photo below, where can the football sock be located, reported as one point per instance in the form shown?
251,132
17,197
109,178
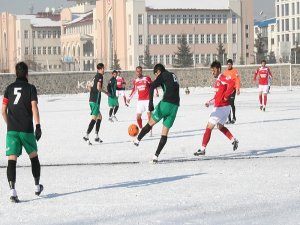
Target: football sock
124,100
206,137
162,142
227,133
36,169
140,122
91,126
265,100
111,112
116,109
98,123
144,131
11,173
260,99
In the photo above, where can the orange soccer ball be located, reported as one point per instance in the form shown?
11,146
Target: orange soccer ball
133,130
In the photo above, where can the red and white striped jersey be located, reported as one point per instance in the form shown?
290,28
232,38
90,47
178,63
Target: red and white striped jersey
263,73
224,87
142,86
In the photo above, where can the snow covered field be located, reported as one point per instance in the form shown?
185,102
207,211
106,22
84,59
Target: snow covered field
113,182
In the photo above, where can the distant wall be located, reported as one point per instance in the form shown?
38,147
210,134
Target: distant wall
75,82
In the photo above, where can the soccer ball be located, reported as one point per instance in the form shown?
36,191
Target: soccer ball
133,130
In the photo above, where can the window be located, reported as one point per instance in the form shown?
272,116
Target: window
190,19
49,50
233,38
277,11
161,39
148,19
49,34
282,25
287,27
190,39
287,37
293,8
26,50
184,19
287,9
282,10
141,59
196,19
173,39
178,38
294,23
54,34
225,38
247,35
208,58
154,19
208,38
54,51
207,19
167,39
39,50
140,19
178,19
219,38
294,38
233,18
196,38
278,38
155,39
34,50
234,57
44,34
202,19
166,19
149,40
202,39
219,19
26,34
202,58
298,23
161,59
213,19
167,60
161,19
172,19
224,18
140,39
197,59
155,59
213,38
298,7
282,37
173,59
58,50
44,50
39,34
33,34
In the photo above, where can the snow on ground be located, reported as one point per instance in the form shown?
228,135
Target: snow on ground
113,182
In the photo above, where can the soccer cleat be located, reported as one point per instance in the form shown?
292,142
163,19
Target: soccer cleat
110,119
264,108
136,142
235,144
228,121
154,159
126,105
233,120
199,152
87,140
97,139
115,118
261,107
40,191
14,199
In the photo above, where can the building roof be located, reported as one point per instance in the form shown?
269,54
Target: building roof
80,17
37,21
187,4
265,23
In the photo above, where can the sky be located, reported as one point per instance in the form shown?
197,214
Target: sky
267,6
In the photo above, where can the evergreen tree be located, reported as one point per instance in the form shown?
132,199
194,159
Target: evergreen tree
272,58
221,53
116,63
184,56
147,58
259,45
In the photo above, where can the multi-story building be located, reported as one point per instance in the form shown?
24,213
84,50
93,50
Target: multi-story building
7,42
38,41
127,27
77,39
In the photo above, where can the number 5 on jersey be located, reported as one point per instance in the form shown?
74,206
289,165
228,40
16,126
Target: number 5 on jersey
17,92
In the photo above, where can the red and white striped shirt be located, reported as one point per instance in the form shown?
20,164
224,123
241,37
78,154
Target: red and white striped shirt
263,73
142,86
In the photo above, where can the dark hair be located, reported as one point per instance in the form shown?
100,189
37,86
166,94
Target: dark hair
159,67
263,61
139,67
215,64
115,71
21,69
230,61
100,66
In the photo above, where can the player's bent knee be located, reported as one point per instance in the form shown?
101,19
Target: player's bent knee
33,155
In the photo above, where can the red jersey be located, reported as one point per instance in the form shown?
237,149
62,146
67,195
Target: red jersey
142,86
120,82
224,87
263,73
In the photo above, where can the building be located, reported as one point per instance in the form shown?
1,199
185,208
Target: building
288,28
124,29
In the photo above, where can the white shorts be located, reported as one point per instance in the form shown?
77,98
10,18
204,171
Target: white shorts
219,115
120,93
142,106
263,88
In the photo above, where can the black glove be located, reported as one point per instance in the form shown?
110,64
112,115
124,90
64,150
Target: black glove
38,132
151,106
